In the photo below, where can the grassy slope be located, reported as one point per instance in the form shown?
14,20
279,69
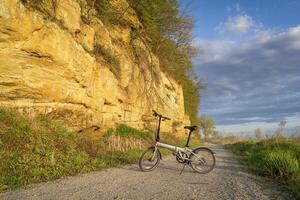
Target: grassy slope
39,149
278,159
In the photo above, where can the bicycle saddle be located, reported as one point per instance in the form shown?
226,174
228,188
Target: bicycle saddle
191,128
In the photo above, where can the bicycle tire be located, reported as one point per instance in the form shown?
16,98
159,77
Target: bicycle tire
197,168
153,164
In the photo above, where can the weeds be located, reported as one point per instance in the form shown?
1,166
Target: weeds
278,159
42,149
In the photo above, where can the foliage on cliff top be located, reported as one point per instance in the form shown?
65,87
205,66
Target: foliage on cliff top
170,31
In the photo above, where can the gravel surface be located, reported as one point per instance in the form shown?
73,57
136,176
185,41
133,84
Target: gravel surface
228,180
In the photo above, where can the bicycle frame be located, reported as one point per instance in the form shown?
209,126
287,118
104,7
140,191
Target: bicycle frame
170,147
184,155
176,149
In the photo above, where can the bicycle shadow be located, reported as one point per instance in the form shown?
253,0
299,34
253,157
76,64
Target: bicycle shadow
161,167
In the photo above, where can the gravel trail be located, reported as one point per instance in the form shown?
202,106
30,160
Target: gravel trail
228,180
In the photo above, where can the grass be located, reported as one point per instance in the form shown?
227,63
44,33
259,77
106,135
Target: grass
40,149
125,131
275,158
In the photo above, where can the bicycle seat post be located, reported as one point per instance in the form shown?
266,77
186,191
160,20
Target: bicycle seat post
188,139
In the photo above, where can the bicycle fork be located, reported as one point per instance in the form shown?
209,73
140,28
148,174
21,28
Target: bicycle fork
154,154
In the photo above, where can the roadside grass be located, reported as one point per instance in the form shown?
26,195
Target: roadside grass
275,158
40,149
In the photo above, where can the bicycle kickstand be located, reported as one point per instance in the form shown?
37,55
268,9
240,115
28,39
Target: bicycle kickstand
183,168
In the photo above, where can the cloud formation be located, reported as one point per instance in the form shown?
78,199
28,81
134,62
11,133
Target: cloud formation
239,24
257,80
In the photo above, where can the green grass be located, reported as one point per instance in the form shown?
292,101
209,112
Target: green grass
125,131
275,158
42,149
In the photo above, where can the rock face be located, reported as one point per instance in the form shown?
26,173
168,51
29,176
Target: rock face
63,67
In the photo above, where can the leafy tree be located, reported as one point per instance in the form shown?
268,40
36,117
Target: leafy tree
207,125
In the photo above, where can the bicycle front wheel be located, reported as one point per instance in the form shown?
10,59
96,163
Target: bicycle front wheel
202,160
149,160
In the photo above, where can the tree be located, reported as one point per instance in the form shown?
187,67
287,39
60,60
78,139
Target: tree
207,125
280,128
258,134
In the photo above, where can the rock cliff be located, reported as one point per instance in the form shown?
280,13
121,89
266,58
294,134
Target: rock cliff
85,73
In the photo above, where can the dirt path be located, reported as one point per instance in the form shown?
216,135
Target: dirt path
227,181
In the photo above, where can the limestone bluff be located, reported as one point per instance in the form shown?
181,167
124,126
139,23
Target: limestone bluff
47,67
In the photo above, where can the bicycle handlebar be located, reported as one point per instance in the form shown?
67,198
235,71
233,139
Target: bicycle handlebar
159,115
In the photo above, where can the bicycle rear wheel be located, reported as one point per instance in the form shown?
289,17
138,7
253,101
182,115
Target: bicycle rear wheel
149,160
203,160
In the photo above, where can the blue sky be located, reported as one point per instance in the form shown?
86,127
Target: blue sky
250,60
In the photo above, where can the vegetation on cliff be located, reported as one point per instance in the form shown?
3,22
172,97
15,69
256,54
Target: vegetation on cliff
170,38
170,31
165,30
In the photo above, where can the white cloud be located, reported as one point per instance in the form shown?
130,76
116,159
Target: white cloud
256,79
214,50
227,50
234,7
239,24
295,33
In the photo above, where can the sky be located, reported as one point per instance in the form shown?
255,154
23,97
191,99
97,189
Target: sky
250,61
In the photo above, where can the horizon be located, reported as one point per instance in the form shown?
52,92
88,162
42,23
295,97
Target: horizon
249,60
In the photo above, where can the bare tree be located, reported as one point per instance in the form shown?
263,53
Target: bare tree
258,133
207,125
280,129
